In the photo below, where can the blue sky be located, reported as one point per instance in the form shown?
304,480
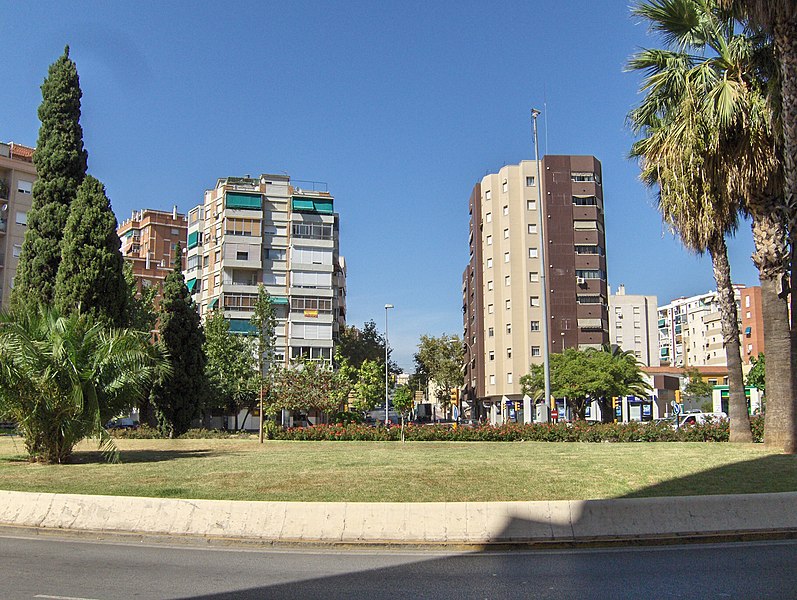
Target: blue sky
399,107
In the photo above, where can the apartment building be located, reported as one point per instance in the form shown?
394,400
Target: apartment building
148,240
501,287
633,325
282,234
17,175
690,329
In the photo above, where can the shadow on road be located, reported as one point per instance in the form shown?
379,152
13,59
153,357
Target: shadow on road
574,574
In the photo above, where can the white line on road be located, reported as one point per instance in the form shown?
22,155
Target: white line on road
61,597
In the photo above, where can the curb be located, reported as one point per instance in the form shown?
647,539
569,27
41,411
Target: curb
449,525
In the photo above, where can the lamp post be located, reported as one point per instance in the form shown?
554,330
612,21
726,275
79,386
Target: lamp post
387,368
546,363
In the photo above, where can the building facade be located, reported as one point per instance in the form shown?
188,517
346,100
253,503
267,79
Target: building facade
148,241
282,234
633,325
690,329
501,285
17,176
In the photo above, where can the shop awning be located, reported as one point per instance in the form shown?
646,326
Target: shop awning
213,303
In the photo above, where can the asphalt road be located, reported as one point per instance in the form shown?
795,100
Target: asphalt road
56,568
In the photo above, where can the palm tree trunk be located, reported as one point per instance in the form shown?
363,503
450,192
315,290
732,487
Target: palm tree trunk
737,404
785,36
771,257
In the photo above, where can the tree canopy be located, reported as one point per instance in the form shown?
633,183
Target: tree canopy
591,374
440,359
61,163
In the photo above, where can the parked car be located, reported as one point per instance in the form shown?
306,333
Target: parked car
701,418
122,423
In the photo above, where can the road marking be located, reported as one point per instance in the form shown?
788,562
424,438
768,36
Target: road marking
61,597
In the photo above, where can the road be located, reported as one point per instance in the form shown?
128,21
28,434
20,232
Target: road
62,568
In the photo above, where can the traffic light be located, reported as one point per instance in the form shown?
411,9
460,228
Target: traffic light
617,408
455,397
678,396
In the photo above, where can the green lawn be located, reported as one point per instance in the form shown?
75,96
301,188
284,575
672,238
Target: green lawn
414,472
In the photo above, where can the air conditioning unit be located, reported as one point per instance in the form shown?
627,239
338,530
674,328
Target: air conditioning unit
580,280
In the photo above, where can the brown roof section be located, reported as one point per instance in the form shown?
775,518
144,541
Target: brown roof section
21,152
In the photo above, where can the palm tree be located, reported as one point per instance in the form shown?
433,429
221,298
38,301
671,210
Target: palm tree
682,151
62,377
779,19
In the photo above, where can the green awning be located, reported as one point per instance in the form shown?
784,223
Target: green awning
191,284
315,205
243,201
323,206
193,239
241,326
303,204
213,303
279,300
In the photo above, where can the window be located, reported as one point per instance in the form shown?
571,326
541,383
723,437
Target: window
534,277
508,304
491,355
535,326
21,218
490,309
24,187
589,299
313,231
506,257
311,331
489,286
274,253
247,227
585,225
193,262
509,352
747,314
534,301
490,332
531,205
618,339
589,249
311,279
747,301
274,278
236,302
506,210
242,256
509,328
582,176
489,263
312,256
16,250
590,274
506,234
637,325
488,217
636,310
492,379
216,280
206,260
638,339
529,181
533,253
535,350
509,377
217,256
489,240
532,228
585,201
487,194
506,280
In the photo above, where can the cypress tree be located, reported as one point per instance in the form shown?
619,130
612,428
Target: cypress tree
178,396
91,274
61,163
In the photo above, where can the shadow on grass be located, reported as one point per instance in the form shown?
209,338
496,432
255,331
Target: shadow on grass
139,456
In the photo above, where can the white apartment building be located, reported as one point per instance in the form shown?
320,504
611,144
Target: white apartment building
690,331
269,230
633,325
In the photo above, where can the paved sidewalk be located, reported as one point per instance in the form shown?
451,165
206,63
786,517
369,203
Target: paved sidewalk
475,524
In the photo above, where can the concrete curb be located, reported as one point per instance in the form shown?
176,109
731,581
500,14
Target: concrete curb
430,523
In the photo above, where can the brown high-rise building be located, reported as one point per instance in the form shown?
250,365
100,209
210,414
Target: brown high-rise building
17,175
148,241
502,284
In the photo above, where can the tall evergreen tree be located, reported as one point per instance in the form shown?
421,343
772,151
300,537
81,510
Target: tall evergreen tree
91,274
178,396
61,163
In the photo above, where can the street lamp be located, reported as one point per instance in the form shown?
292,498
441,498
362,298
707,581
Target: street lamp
387,307
546,363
